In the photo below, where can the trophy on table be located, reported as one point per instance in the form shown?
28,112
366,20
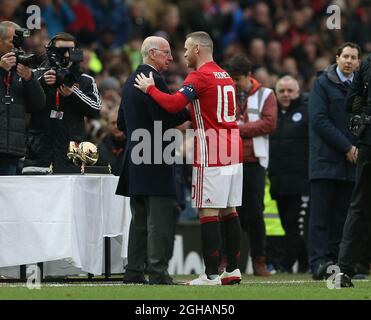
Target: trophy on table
85,155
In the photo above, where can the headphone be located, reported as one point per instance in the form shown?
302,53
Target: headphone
52,41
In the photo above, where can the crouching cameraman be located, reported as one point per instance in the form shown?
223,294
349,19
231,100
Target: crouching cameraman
70,97
20,92
358,222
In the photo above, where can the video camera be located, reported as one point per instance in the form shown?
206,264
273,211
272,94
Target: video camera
29,60
358,123
59,61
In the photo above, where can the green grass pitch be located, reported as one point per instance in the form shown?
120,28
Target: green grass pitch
282,287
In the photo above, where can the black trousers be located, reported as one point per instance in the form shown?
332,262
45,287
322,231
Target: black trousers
293,210
330,201
252,208
151,237
358,223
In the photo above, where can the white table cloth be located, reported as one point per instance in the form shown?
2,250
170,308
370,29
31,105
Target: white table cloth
45,218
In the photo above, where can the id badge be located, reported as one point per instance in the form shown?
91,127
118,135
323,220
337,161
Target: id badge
54,114
7,100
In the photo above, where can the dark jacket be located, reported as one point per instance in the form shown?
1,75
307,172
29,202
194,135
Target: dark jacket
289,150
359,96
329,135
28,96
111,151
49,137
140,111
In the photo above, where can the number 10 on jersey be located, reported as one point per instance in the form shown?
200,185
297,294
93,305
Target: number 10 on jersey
223,103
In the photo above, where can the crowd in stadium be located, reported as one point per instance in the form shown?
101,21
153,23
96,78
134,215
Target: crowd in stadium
279,37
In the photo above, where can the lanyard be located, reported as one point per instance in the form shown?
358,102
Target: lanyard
57,99
243,96
7,81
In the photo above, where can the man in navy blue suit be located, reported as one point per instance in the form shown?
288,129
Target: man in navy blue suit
150,183
332,158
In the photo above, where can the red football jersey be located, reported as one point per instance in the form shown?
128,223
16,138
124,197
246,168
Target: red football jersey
211,91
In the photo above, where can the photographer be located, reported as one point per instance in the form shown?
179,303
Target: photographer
20,92
70,96
358,222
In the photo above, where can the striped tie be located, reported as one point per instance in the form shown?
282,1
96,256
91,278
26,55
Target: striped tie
347,83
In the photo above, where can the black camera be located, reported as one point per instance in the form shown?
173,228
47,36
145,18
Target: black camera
29,60
19,36
358,123
60,62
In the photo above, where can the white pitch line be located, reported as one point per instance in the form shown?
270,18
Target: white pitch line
15,285
112,284
278,282
292,281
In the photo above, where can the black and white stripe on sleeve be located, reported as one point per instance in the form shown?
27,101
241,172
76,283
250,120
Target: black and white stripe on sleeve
94,103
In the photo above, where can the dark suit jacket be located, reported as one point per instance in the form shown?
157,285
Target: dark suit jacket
329,135
289,150
140,111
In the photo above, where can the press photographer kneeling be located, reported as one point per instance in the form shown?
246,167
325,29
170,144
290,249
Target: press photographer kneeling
20,92
70,97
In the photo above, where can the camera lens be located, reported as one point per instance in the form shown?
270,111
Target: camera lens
29,60
65,77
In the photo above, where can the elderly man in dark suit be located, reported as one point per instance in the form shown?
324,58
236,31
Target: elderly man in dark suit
149,183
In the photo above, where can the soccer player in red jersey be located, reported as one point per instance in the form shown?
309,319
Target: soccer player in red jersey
217,168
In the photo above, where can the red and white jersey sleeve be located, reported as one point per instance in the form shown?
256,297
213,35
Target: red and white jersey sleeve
211,91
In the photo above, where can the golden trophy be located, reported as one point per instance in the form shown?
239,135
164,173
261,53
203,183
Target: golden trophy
85,155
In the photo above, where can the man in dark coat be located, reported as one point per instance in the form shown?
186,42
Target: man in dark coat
356,235
288,170
150,183
332,157
20,92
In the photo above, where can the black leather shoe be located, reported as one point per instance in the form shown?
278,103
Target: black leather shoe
345,281
141,280
165,281
321,272
168,283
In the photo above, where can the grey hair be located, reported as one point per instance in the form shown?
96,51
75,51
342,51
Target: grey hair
5,25
288,78
148,44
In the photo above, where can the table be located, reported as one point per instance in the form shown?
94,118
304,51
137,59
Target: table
46,218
